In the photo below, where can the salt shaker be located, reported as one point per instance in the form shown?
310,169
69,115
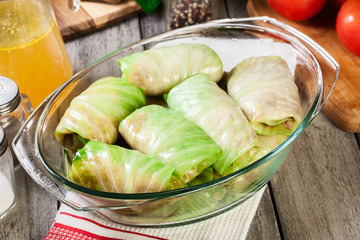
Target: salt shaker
7,181
15,107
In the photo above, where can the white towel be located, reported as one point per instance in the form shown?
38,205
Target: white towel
71,224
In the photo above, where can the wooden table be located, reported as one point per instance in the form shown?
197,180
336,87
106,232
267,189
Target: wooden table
314,195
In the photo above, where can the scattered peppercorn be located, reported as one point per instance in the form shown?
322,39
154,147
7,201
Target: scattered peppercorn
188,12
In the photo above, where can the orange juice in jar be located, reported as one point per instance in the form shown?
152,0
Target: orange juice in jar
32,51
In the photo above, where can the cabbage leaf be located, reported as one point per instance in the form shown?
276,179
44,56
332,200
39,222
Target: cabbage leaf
205,103
111,168
267,94
157,70
96,113
171,138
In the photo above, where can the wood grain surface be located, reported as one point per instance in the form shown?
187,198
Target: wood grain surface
316,191
91,15
343,106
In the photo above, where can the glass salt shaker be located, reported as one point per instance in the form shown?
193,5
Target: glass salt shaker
15,107
7,180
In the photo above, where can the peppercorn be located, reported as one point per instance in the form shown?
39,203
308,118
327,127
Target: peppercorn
185,12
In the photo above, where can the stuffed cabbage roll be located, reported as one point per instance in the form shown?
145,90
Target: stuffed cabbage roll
111,168
266,91
96,113
158,70
170,137
203,102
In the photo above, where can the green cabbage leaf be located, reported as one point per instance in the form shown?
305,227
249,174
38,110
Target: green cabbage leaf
96,113
201,100
171,138
266,91
157,70
111,168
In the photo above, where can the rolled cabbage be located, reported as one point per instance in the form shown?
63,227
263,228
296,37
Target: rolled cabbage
111,168
157,70
171,138
265,89
203,102
96,113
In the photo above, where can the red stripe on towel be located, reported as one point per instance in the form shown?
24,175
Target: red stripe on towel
61,231
107,227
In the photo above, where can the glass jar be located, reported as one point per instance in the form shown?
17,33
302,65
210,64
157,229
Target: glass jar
15,107
32,51
181,13
7,180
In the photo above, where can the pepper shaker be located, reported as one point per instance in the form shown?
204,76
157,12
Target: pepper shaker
15,107
7,181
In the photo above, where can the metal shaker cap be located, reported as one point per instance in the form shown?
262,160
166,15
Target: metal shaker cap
3,142
9,95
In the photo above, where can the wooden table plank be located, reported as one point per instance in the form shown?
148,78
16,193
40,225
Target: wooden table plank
264,224
317,190
152,24
91,47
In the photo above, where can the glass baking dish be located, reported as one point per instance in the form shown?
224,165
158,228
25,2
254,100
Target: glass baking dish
40,154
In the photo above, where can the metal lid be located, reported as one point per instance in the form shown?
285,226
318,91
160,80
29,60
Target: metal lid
3,142
9,95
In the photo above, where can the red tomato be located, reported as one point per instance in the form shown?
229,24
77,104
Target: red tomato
348,25
297,10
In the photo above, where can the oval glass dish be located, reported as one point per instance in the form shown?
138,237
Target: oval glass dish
44,159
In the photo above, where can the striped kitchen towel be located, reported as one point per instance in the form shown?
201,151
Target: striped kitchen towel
70,224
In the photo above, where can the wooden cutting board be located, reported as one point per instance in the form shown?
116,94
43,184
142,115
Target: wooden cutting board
343,106
91,15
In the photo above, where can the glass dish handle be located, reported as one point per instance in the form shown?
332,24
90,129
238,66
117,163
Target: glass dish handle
25,150
24,145
25,102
